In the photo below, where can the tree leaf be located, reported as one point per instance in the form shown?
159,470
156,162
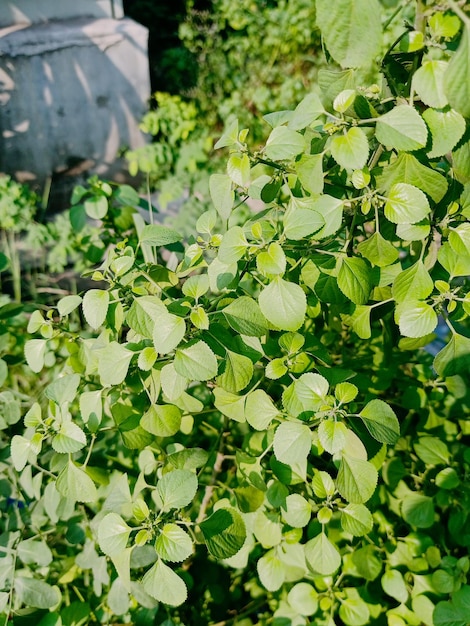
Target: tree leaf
260,409
357,520
378,250
354,279
157,235
322,556
454,358
351,29
402,128
284,143
222,194
307,111
238,169
457,77
196,361
311,390
168,332
113,534
69,439
284,304
406,204
233,246
163,584
271,571
75,484
229,404
428,82
95,306
34,352
331,209
296,511
356,480
303,599
244,316
113,363
447,128
36,593
415,318
381,421
413,283
96,207
271,261
173,544
309,169
177,489
63,389
224,533
35,551
418,510
237,373
350,150
332,435
67,304
162,420
301,222
292,442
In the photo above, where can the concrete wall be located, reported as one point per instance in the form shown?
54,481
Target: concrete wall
70,90
37,11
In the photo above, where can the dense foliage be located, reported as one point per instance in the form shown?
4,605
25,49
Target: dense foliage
268,423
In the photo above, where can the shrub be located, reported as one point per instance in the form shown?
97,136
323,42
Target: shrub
262,425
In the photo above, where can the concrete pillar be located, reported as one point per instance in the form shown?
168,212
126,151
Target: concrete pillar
70,89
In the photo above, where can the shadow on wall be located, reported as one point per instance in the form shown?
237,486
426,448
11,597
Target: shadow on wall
71,90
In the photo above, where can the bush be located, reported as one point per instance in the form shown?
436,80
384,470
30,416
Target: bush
267,424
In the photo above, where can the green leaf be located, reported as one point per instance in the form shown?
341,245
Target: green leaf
284,143
457,77
402,128
233,246
455,612
173,385
350,150
245,317
35,551
407,169
95,306
378,250
292,442
173,544
75,484
157,235
222,194
357,520
168,332
162,420
177,489
406,204
34,352
113,363
418,510
64,389
224,533
113,534
229,404
432,451
311,391
237,373
36,593
276,369
163,584
415,318
91,406
96,207
447,128
303,599
459,239
20,449
454,358
356,480
307,111
414,283
331,209
309,169
271,571
68,304
143,313
428,82
284,304
455,264
69,439
260,409
353,610
296,511
302,222
271,261
238,169
196,361
351,29
322,556
354,279
4,262
332,435
447,479
221,275
229,137
381,421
